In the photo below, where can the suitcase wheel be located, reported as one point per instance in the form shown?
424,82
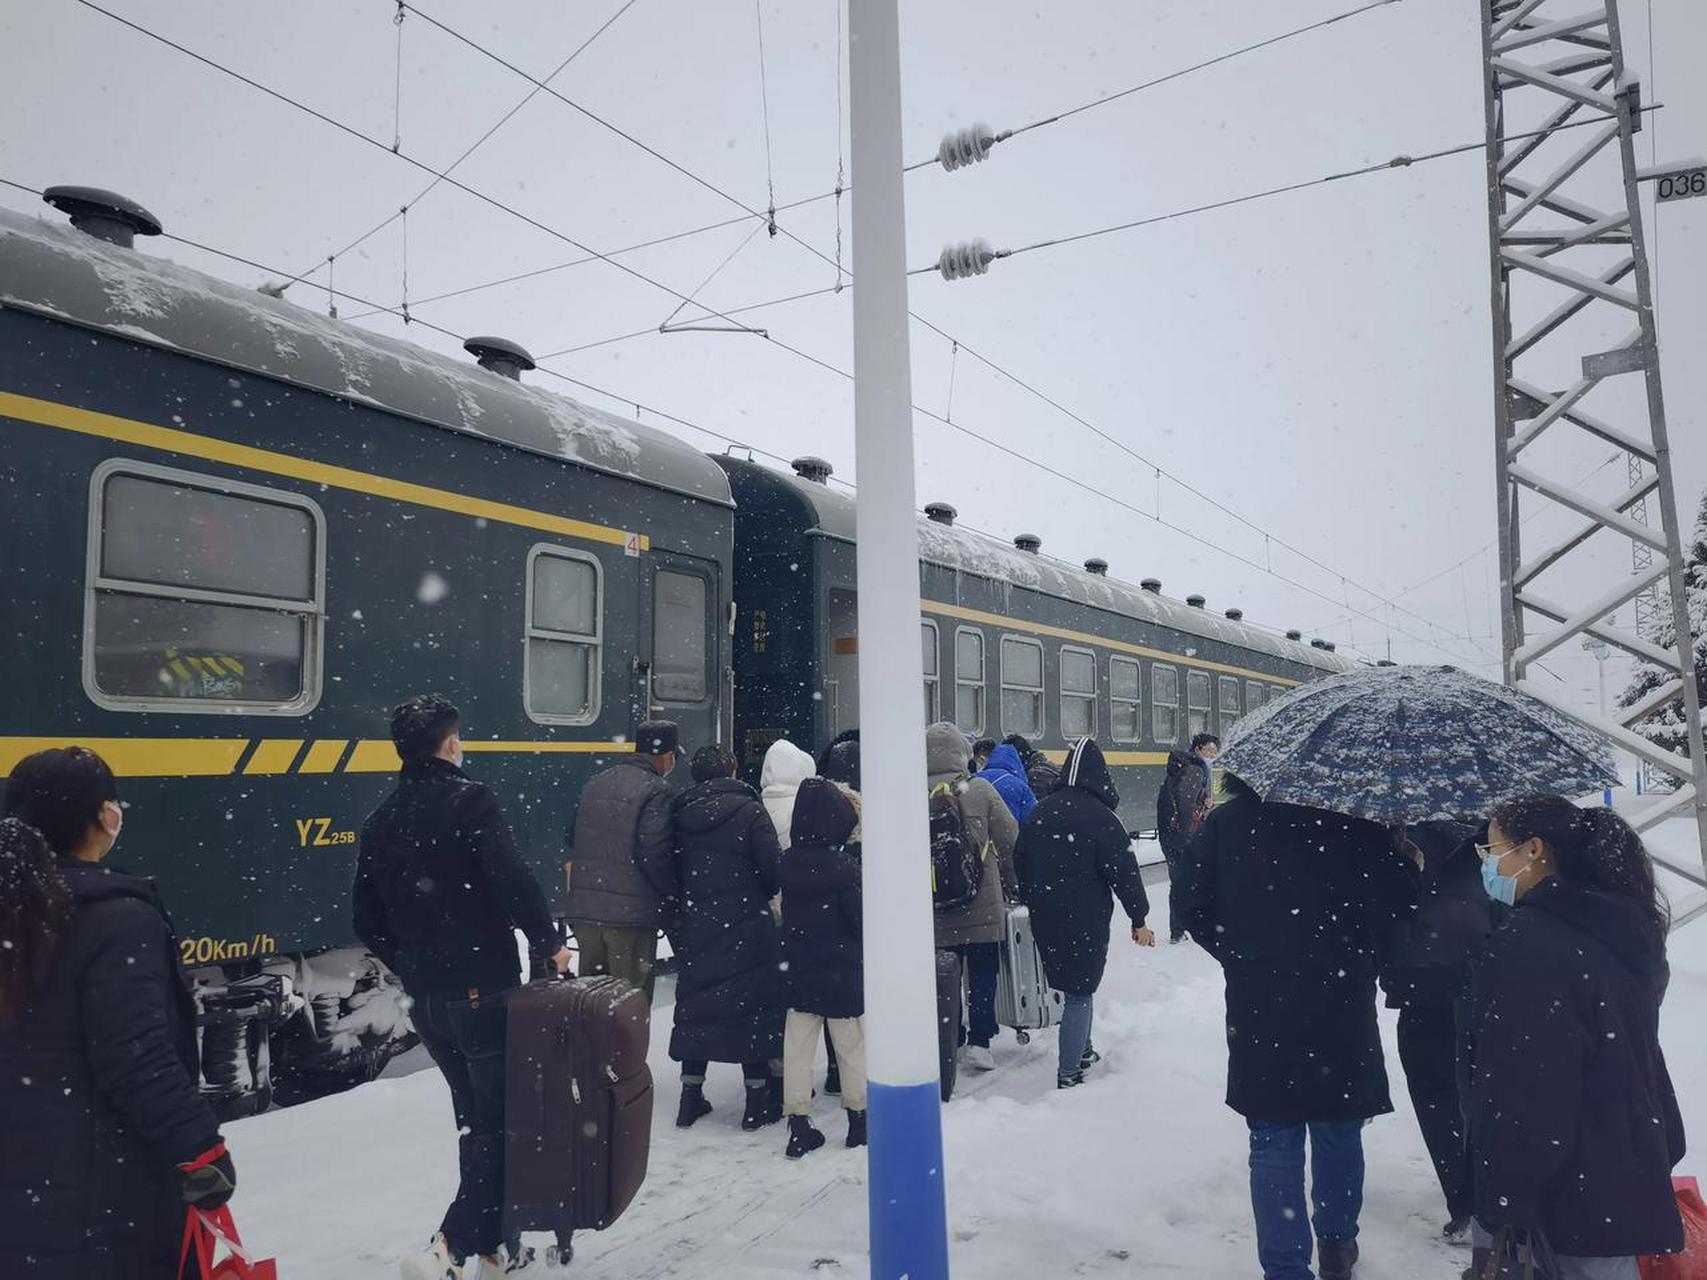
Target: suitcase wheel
1024,1037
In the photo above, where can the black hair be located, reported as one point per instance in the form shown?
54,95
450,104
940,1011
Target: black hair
420,726
35,907
1593,847
1020,744
713,761
1202,740
983,747
60,792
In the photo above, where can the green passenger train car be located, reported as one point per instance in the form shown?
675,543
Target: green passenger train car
1012,641
236,531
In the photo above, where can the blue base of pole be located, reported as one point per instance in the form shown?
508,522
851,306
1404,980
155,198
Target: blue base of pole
909,1212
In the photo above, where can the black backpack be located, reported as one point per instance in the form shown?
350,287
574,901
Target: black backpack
957,867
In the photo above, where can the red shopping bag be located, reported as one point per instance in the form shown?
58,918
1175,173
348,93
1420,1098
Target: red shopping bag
1691,1264
206,1237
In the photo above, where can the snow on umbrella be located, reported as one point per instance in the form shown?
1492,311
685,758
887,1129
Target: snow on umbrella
1407,744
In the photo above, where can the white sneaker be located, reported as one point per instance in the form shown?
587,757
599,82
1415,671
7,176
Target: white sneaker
436,1263
979,1057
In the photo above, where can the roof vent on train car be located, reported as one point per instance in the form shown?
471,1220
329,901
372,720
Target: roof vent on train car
1236,615
1385,662
106,215
1329,645
1029,542
1152,585
1294,635
1196,602
814,469
940,513
1319,644
1097,566
501,356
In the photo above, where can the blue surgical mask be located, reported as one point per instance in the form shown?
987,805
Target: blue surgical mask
1500,888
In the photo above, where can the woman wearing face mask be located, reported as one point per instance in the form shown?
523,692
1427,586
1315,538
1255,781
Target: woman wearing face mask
1573,1122
104,1135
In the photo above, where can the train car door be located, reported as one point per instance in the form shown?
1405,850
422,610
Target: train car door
680,659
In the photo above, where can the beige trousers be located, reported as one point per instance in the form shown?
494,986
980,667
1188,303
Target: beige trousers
800,1052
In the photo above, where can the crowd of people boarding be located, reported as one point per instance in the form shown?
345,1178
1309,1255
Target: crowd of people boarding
1526,959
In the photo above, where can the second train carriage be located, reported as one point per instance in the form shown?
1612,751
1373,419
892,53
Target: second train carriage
1012,641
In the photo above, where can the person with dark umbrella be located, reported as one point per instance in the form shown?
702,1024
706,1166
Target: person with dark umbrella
1293,902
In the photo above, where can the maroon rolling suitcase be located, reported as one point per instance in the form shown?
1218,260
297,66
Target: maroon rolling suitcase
577,1106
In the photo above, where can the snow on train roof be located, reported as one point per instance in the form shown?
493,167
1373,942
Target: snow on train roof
986,557
54,270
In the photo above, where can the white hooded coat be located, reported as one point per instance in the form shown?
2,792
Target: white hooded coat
786,767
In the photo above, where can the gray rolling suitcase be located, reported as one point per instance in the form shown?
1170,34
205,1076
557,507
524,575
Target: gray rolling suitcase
1024,999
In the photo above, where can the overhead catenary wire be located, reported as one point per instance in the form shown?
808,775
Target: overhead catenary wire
842,188
370,140
765,111
1102,101
975,258
479,142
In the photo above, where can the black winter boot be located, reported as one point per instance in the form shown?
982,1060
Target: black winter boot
693,1106
856,1128
1335,1261
760,1110
802,1137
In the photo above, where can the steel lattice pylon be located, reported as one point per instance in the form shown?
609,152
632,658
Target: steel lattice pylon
1576,360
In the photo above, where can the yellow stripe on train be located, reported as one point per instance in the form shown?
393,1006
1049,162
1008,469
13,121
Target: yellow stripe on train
219,757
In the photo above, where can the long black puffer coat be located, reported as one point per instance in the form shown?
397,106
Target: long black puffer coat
1293,902
98,1095
1573,1122
822,920
730,996
1074,859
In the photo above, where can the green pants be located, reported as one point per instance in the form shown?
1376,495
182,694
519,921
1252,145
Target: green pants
626,953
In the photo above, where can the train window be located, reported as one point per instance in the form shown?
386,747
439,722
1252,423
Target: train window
969,680
1078,693
560,671
1255,695
1125,709
1197,702
678,637
204,594
933,679
1164,704
1229,698
1022,686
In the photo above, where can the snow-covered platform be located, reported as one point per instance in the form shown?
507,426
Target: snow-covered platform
1140,1173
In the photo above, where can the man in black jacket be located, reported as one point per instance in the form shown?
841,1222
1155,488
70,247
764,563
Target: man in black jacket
440,890
621,844
1292,902
1181,805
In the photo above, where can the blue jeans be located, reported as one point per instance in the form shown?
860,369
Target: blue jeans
1075,1035
1277,1191
983,965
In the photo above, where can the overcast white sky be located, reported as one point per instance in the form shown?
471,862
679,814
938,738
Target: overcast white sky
1318,362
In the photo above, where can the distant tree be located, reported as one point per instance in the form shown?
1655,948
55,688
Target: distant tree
1664,727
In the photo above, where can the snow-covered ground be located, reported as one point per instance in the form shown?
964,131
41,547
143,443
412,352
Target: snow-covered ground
1139,1173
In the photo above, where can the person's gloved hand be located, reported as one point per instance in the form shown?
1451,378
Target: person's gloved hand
208,1181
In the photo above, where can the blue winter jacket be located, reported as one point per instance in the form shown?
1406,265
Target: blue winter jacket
1006,773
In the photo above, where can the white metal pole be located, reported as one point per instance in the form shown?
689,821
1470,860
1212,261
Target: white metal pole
909,1231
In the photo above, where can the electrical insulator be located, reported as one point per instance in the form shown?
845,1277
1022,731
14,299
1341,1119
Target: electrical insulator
965,146
958,261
